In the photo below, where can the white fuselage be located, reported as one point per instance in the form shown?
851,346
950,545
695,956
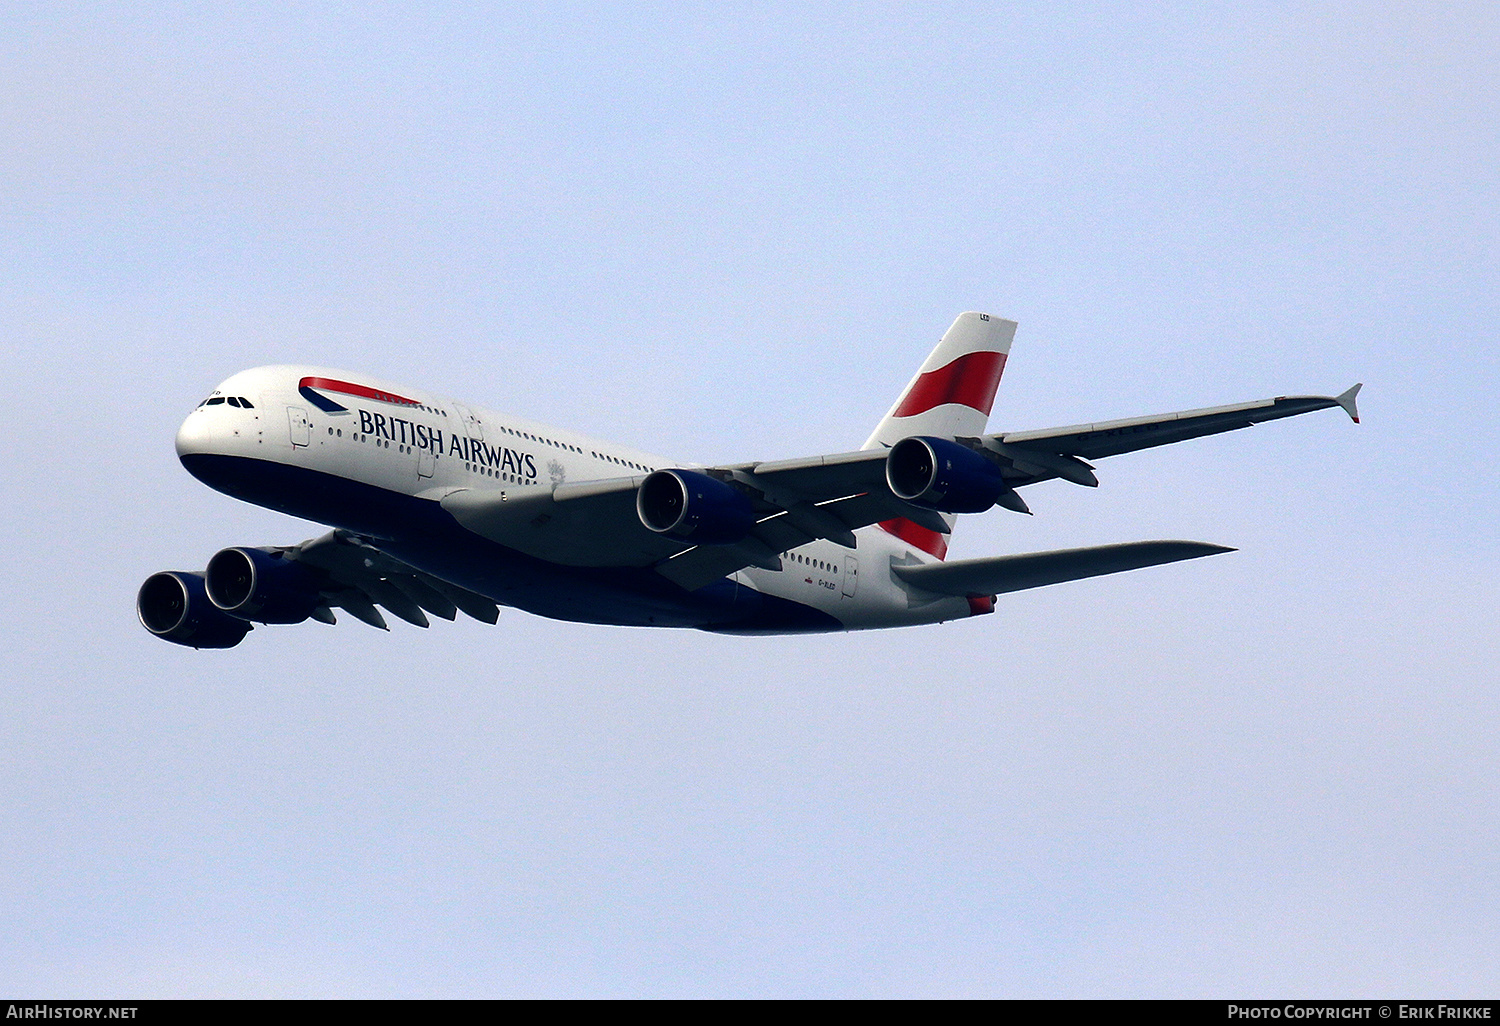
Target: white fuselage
391,443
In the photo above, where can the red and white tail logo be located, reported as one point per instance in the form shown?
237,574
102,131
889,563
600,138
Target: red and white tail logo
951,395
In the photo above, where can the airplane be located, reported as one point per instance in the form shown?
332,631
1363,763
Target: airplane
437,506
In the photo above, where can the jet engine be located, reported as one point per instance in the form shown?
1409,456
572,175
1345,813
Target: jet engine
690,506
256,584
174,606
939,474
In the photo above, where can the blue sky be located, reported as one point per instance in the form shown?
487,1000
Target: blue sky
734,234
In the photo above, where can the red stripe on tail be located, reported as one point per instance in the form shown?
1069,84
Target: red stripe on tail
917,536
969,381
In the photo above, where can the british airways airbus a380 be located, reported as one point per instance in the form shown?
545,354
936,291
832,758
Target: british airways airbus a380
438,507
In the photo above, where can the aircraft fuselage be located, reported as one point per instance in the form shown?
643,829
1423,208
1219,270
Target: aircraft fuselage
376,459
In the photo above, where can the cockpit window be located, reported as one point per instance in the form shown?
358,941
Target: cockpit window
216,400
245,403
232,401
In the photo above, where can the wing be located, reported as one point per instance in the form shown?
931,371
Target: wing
355,576
216,607
594,523
1032,456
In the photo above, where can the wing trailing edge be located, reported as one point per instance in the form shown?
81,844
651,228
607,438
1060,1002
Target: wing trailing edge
359,577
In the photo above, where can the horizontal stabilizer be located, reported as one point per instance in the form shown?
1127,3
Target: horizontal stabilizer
996,575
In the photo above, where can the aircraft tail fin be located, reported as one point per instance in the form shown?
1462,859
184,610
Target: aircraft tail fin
950,396
953,391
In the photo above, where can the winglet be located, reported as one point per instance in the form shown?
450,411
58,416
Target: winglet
1346,400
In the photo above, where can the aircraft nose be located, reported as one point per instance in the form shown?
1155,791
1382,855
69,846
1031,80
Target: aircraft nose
196,434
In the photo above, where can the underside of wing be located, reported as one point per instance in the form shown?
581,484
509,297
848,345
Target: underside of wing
591,523
803,500
355,576
216,607
597,523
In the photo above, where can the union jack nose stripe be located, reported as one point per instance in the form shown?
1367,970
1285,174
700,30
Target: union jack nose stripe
312,390
969,381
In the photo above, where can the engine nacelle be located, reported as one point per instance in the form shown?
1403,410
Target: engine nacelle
694,507
940,474
258,585
175,607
